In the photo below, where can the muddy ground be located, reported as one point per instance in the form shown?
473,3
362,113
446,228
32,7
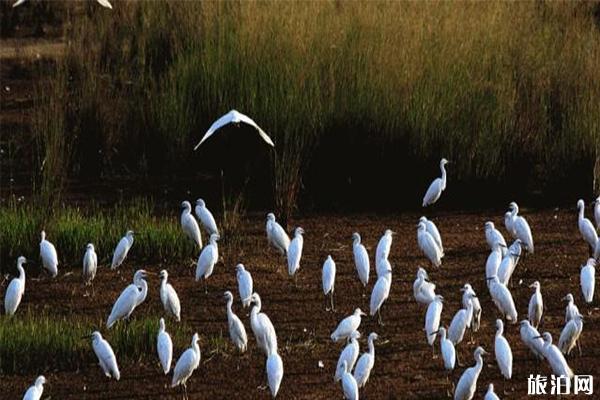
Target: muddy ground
404,368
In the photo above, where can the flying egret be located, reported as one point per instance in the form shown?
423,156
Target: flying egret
90,264
35,391
469,296
122,249
437,186
379,295
329,279
428,246
349,385
423,289
467,384
502,350
490,394
588,280
207,260
509,262
361,259
187,364
294,253
555,358
349,355
433,231
532,339
236,118
492,265
237,332
536,305
276,235
274,369
206,217
597,212
190,225
460,321
432,319
384,246
587,230
168,296
16,289
365,363
494,238
129,299
570,335
262,327
503,299
164,347
521,227
347,325
571,310
244,280
48,256
106,356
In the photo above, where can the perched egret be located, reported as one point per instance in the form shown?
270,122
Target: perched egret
432,319
532,339
467,384
428,246
262,327
536,305
276,235
274,369
597,212
329,279
433,231
384,246
437,186
448,351
205,217
15,290
469,296
35,391
244,280
90,264
588,280
503,299
555,358
295,251
361,259
168,296
502,350
509,262
521,227
460,321
571,310
164,347
129,299
106,356
237,332
382,267
122,249
190,225
490,394
570,335
349,385
207,260
349,355
347,325
187,364
494,238
49,256
423,290
379,295
492,265
586,228
365,363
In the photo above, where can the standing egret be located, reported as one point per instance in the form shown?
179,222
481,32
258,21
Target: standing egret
49,256
597,212
494,238
365,363
490,394
555,358
262,327
509,225
570,335
190,225
349,355
469,296
532,339
237,332
122,249
35,391
329,279
16,289
503,299
106,356
432,319
467,384
349,385
536,305
164,347
295,251
423,290
187,364
276,235
571,310
205,217
428,246
347,325
460,321
244,280
448,351
437,186
207,260
379,295
168,296
588,280
587,230
361,259
509,262
502,350
433,231
521,227
384,246
129,299
274,369
90,264
492,265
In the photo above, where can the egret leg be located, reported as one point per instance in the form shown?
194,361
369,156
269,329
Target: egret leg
205,287
332,307
379,319
579,348
185,391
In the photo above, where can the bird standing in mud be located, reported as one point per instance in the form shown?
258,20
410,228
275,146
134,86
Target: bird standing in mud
168,296
186,365
503,352
295,252
90,264
164,347
365,363
190,225
49,256
237,332
586,228
437,186
129,299
347,325
16,289
122,250
588,280
536,305
361,259
207,260
276,235
245,284
467,384
206,217
520,227
328,278
106,356
35,392
423,289
428,245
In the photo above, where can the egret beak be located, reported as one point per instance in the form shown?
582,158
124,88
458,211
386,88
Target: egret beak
538,337
532,285
462,289
364,314
473,296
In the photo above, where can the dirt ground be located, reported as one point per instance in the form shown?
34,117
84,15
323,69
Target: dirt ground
404,367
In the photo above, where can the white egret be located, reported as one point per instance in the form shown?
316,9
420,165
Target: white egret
15,290
597,212
262,327
349,385
187,364
469,296
245,285
274,369
532,339
207,260
90,264
382,267
347,325
503,299
365,363
349,355
168,296
106,356
384,246
490,394
276,235
493,262
571,310
503,352
48,256
536,305
423,290
329,279
190,225
509,225
164,347
428,246
433,231
494,238
379,295
432,319
437,186
122,249
206,217
588,280
361,259
521,227
570,335
509,262
237,332
467,384
586,228
36,390
295,251
129,299
555,358
460,321
448,351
